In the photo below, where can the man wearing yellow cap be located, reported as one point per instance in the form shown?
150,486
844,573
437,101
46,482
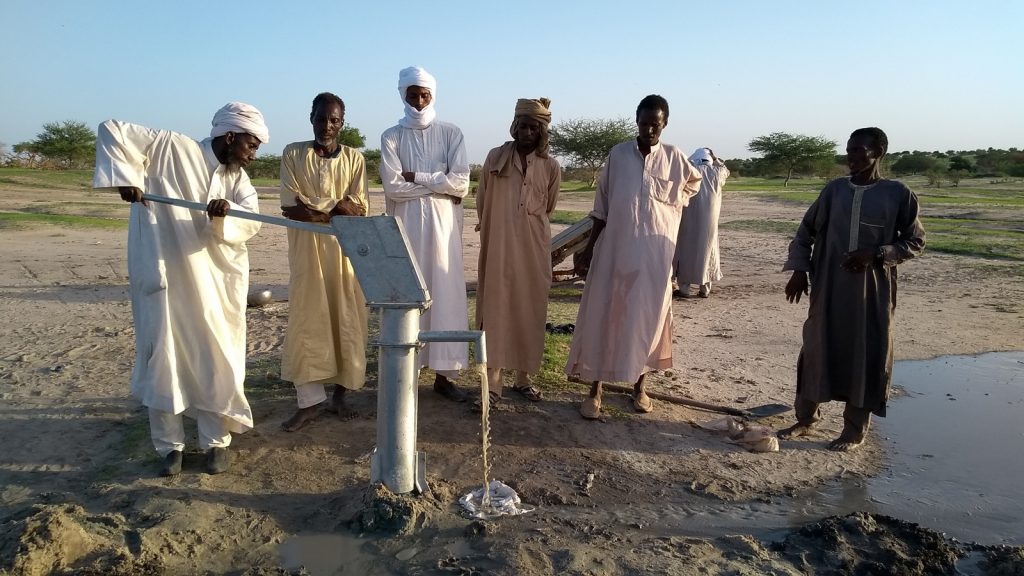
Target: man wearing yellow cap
518,191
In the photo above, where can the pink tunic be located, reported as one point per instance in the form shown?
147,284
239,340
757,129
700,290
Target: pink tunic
624,326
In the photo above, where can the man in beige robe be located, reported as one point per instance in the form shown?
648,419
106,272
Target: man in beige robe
518,190
325,342
624,325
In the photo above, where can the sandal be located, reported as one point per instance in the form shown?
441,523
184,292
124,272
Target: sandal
591,408
493,398
530,392
642,403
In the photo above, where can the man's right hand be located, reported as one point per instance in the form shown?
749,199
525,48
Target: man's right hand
303,213
581,264
796,286
131,194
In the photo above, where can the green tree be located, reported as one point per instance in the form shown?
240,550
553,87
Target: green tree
791,151
936,176
352,137
959,162
585,143
372,157
27,154
915,163
69,144
264,166
954,177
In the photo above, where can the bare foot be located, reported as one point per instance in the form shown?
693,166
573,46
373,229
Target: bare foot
338,406
845,444
795,431
301,417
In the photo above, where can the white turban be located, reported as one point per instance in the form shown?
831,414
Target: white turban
700,156
240,117
416,76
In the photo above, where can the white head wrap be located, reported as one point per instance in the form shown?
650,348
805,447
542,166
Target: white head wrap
701,156
416,76
240,117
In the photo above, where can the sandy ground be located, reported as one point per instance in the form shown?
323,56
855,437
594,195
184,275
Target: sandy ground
79,492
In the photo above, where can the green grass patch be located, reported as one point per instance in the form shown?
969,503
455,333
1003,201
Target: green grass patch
10,220
46,179
266,182
552,369
973,237
786,227
572,186
567,216
773,184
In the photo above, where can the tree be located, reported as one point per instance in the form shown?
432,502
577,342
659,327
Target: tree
935,177
955,176
958,162
790,151
585,143
915,163
264,166
27,154
69,144
372,157
352,137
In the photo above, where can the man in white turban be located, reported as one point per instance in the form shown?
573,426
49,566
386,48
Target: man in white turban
426,175
188,274
697,261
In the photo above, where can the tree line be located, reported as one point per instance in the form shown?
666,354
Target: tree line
583,145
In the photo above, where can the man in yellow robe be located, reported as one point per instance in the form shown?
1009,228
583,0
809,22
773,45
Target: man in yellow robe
518,191
326,337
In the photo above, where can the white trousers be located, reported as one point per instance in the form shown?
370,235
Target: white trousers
168,431
310,394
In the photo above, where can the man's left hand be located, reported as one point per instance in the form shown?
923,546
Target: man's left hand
218,208
409,176
859,260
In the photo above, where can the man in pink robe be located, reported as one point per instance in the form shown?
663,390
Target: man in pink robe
624,325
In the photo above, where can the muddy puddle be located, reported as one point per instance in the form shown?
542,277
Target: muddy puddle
955,446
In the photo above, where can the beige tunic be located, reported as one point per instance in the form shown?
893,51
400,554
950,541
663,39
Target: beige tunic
326,336
515,257
624,325
697,260
847,352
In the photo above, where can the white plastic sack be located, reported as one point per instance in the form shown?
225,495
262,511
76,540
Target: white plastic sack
504,502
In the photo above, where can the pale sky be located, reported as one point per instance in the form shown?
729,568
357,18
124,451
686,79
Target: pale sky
934,74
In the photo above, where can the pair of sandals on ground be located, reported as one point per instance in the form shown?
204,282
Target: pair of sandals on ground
523,386
591,406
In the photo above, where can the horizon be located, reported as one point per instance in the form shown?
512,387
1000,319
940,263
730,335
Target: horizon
935,77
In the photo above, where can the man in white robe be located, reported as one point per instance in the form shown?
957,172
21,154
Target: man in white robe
697,260
188,274
624,324
425,173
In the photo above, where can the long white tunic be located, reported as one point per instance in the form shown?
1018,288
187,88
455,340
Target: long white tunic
433,223
188,274
697,260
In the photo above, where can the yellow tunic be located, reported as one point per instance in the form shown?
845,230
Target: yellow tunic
326,336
